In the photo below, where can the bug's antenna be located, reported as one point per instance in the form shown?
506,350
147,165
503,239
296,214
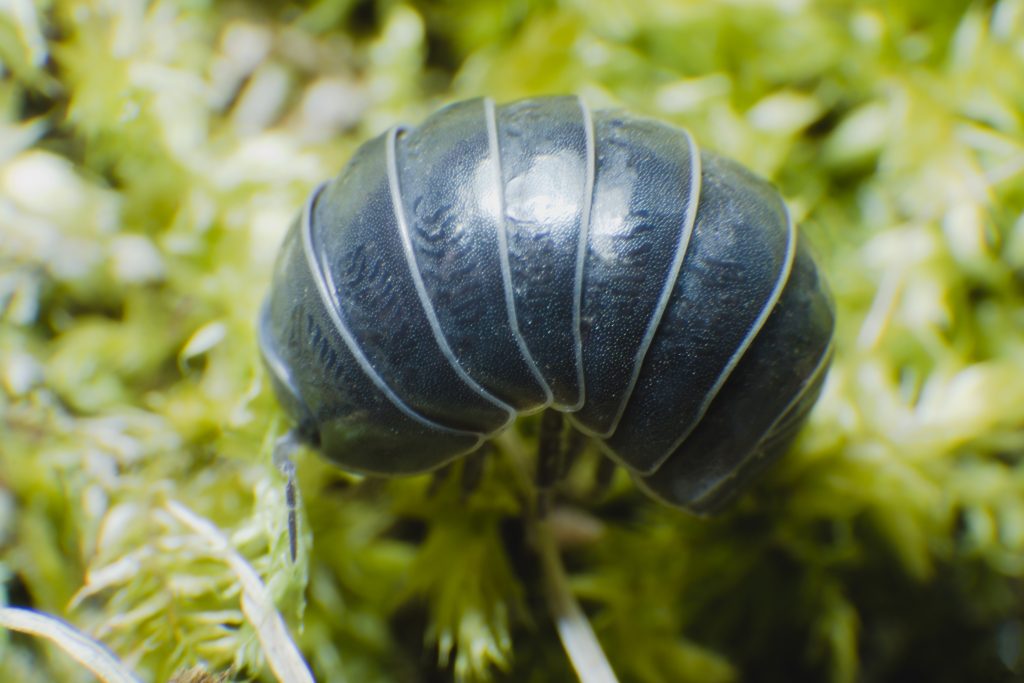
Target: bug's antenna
284,449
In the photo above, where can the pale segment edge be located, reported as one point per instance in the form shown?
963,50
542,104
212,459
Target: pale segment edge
581,252
506,269
822,366
328,297
671,279
421,290
762,317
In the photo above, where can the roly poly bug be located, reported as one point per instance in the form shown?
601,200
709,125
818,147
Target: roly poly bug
498,260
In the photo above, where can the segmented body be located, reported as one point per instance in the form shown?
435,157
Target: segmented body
495,261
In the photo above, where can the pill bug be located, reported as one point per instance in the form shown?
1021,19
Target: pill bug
499,260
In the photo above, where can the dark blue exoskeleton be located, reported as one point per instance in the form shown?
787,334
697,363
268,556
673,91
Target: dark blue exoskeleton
495,261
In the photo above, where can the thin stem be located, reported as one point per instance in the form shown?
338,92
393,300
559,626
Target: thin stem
91,654
578,638
281,653
581,645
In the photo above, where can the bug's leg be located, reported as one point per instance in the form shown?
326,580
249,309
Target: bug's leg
437,479
550,459
284,448
606,469
573,450
473,469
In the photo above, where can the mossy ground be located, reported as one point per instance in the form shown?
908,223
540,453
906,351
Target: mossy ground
152,155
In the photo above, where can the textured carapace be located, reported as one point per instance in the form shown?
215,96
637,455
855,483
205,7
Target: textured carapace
499,260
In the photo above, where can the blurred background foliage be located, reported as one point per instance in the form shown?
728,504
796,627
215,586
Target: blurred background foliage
152,155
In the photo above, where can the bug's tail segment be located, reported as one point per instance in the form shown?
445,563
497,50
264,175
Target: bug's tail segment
547,173
761,406
738,263
640,225
357,421
448,173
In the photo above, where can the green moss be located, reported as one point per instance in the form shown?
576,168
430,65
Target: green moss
153,154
